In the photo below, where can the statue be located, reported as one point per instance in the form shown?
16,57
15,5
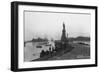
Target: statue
63,37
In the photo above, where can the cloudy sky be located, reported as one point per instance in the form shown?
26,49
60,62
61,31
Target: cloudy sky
49,24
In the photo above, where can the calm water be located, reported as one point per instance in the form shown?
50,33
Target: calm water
31,52
85,42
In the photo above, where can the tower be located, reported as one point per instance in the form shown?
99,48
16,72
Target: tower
63,37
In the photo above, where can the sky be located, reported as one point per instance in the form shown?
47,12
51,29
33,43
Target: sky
50,24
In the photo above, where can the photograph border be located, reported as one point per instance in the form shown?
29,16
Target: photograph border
14,35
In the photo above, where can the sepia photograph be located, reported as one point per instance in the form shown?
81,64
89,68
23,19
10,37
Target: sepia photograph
56,36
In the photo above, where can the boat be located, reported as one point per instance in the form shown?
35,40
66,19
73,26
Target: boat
43,43
48,45
39,46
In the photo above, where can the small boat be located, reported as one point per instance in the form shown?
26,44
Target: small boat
48,45
39,46
43,43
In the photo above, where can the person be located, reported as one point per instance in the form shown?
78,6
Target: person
42,53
